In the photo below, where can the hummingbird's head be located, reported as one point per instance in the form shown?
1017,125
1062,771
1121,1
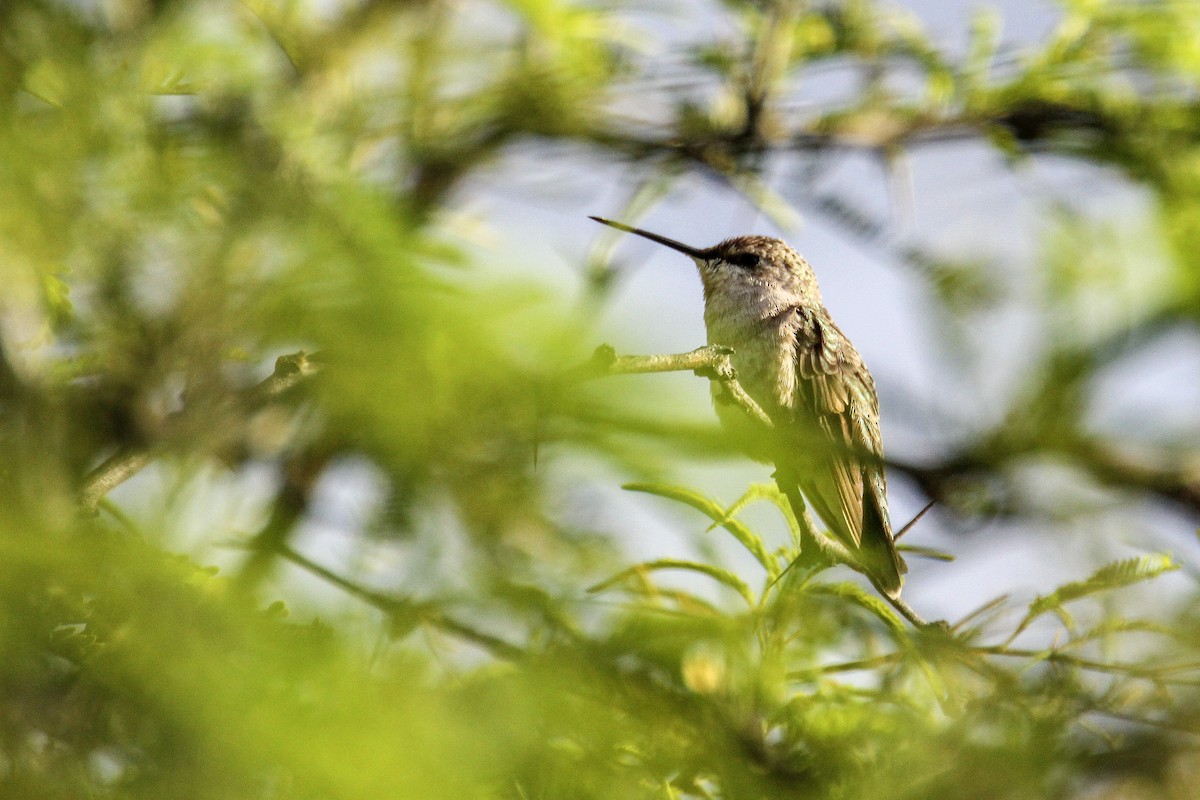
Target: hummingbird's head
744,268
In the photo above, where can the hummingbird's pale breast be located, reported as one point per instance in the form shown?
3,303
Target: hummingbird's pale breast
764,357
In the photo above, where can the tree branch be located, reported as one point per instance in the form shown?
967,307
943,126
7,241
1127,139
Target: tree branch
290,371
711,361
1160,674
405,613
1177,484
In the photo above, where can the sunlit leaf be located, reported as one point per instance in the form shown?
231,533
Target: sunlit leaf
718,574
1115,575
925,552
863,599
716,513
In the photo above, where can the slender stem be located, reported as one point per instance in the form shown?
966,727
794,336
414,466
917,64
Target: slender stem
711,361
290,371
1150,673
399,607
906,610
849,666
1156,674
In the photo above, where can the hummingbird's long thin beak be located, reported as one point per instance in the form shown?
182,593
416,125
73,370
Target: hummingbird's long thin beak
687,250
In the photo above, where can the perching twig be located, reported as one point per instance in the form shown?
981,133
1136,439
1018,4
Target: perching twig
290,370
114,471
711,361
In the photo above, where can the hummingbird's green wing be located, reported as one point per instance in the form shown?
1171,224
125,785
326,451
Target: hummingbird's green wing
836,405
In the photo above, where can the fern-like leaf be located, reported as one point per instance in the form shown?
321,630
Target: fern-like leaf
1115,575
715,512
864,599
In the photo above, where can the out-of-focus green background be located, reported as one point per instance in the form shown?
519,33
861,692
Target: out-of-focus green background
399,563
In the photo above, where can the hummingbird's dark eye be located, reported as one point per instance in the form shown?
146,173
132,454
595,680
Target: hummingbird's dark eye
744,260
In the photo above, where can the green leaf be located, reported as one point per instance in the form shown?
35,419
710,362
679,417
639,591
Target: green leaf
985,36
979,617
717,513
1110,627
722,576
57,295
775,206
756,491
861,597
924,552
684,603
1115,575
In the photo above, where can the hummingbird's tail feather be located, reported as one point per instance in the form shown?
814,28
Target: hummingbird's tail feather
873,551
883,563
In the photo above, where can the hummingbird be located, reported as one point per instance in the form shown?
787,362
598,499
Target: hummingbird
761,299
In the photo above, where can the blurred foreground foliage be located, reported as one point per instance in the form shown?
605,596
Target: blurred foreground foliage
190,189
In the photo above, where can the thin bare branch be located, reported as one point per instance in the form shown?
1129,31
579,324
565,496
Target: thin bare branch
1160,674
398,608
711,361
290,371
